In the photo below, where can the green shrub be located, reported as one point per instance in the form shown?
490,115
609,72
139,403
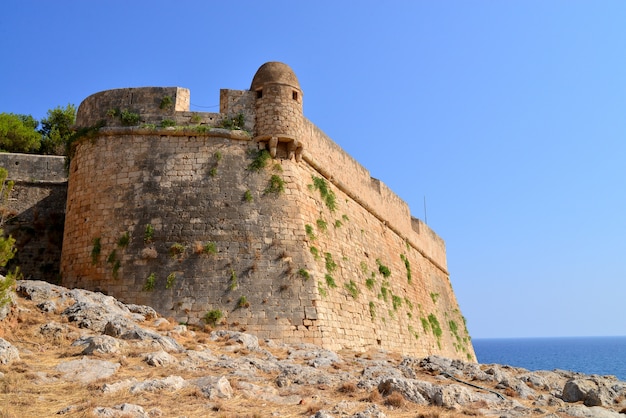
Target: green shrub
129,118
150,283
352,288
309,231
304,274
213,317
315,252
247,196
166,123
209,248
407,264
321,289
124,240
166,102
331,266
321,224
177,249
276,185
434,296
382,269
370,283
95,250
372,310
7,286
148,234
330,281
169,281
243,302
327,195
434,324
396,301
260,159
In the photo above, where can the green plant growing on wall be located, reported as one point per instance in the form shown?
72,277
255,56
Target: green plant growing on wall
345,218
167,123
129,118
396,301
212,317
407,264
260,158
434,296
218,156
434,324
370,283
321,289
338,224
111,113
352,289
115,269
213,171
233,280
243,302
413,332
234,122
209,248
95,250
330,281
170,280
166,103
372,306
148,235
124,240
150,283
327,195
195,118
315,253
409,304
247,196
383,293
304,274
177,250
278,168
309,232
321,225
382,269
275,185
391,314
425,325
112,257
331,266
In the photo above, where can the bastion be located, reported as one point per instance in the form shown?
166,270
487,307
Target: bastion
251,218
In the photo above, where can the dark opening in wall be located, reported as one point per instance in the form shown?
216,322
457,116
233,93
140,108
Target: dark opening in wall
259,94
294,95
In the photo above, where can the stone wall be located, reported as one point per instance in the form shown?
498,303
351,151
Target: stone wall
309,249
37,213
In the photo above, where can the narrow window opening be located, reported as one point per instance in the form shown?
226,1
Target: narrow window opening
294,95
259,94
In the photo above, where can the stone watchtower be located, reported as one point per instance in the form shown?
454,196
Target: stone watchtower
186,212
278,109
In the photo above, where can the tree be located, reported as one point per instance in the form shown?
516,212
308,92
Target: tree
18,133
7,244
56,130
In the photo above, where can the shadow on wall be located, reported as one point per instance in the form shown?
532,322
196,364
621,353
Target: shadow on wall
38,233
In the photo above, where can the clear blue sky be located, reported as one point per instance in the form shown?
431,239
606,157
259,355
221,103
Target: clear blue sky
508,116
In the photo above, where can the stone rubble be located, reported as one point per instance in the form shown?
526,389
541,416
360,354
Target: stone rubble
111,328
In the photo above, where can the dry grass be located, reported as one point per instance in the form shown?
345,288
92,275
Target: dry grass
32,387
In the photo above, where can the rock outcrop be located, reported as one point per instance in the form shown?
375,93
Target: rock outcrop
92,355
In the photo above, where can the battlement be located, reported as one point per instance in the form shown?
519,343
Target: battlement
193,218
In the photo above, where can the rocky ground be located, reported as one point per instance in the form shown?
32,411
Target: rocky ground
75,353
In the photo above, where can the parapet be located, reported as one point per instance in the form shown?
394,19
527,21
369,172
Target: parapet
153,104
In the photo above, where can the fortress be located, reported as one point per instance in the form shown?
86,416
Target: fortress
254,218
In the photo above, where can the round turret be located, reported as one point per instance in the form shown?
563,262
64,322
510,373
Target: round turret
278,109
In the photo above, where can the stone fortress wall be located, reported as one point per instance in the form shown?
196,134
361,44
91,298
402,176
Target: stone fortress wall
170,208
36,212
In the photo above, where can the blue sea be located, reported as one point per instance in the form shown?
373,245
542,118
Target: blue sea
589,355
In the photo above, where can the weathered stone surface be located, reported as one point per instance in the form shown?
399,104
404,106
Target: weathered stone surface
8,353
125,410
99,344
214,387
170,383
251,342
160,358
87,370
